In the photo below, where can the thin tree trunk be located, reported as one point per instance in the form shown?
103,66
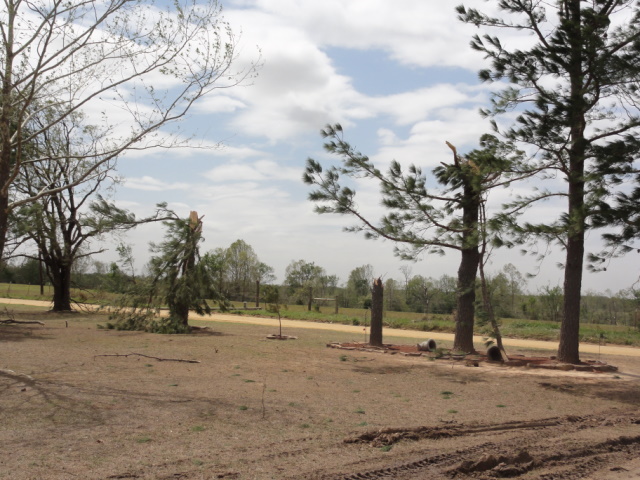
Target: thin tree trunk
377,304
257,293
486,297
6,114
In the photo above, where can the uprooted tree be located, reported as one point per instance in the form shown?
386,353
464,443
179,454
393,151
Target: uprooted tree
419,220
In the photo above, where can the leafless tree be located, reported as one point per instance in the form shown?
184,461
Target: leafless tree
130,66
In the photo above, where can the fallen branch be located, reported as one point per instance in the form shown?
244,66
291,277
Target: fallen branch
147,356
12,319
21,322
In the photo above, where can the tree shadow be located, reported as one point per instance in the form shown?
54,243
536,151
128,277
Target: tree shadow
622,391
21,333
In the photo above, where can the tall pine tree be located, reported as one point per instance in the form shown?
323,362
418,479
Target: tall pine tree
575,89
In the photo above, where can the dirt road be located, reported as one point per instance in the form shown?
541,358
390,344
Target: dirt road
390,332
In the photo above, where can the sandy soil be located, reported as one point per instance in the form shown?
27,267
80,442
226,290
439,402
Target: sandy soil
80,402
360,331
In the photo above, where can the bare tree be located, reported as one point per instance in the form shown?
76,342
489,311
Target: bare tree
406,271
59,58
63,224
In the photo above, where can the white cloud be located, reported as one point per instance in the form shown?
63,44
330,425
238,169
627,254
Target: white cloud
251,189
152,184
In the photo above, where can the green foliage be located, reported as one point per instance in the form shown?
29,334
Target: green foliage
180,278
179,275
303,279
575,90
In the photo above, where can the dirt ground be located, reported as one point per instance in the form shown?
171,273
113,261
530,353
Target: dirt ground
72,405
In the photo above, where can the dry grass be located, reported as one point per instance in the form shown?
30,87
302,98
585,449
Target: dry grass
252,408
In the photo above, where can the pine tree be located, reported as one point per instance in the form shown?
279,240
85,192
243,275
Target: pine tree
576,93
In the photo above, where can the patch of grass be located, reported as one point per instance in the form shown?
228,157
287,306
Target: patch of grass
343,358
243,408
360,410
305,425
386,448
501,406
249,381
362,424
148,365
173,384
356,391
446,394
293,404
197,428
197,462
309,378
143,439
452,411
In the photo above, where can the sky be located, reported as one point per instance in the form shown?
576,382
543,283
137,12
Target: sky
399,77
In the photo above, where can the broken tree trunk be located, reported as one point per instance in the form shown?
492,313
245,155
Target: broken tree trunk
377,293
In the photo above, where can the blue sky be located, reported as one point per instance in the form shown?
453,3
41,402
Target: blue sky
401,79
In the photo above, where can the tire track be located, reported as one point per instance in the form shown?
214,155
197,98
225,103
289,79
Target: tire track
519,449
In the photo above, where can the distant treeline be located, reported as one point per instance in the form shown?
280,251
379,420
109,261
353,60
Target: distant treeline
308,284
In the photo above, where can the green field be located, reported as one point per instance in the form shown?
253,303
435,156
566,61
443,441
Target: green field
512,328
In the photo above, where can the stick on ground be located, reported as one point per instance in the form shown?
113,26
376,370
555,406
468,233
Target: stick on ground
148,356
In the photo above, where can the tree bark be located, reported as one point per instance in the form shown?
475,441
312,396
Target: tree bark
466,298
468,269
377,303
568,349
181,312
60,276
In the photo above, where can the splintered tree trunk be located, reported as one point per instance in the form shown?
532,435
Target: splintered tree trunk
467,271
377,302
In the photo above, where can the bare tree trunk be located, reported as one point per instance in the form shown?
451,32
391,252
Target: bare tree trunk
61,279
377,303
466,297
257,293
488,306
569,347
470,258
40,274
